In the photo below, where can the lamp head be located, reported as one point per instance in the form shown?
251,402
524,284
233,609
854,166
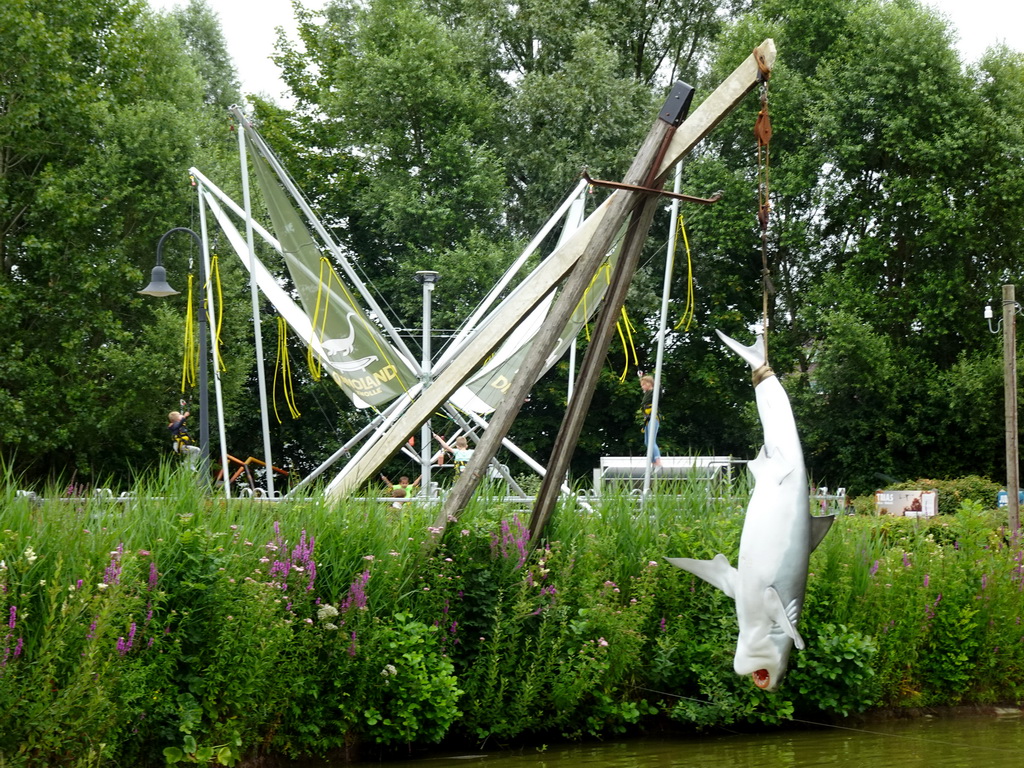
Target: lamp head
158,285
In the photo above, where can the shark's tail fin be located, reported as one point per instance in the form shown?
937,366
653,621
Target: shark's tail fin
754,354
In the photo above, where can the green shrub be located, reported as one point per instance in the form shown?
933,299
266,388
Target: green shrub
416,698
170,627
834,674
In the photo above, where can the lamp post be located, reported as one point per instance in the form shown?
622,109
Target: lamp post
1009,321
428,279
158,286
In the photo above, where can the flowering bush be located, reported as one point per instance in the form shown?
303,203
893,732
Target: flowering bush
169,628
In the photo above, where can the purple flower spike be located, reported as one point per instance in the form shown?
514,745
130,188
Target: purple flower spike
112,575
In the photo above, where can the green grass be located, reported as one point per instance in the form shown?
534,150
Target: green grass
174,620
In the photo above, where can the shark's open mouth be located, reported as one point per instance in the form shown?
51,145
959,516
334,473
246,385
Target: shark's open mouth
761,678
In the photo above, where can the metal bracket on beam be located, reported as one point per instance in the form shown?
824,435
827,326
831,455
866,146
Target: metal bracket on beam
677,105
636,188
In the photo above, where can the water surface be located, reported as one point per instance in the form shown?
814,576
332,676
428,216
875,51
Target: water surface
970,741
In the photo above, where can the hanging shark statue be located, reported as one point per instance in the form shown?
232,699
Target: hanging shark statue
779,534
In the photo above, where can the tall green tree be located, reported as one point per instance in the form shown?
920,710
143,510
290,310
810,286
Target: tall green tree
201,29
892,223
100,118
513,101
400,106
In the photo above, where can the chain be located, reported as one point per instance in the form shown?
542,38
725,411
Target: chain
763,134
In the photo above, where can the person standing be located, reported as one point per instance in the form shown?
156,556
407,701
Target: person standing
650,426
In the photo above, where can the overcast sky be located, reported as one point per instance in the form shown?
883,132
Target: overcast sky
249,31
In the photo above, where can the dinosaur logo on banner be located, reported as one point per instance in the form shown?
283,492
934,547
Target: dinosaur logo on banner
339,351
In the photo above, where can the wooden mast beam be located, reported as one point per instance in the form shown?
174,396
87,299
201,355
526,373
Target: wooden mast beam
586,247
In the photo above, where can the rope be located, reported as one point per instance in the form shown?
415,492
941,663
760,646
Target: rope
626,329
190,357
606,269
691,302
215,276
313,362
283,365
763,134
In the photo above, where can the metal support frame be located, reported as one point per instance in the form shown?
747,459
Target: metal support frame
578,259
257,331
533,289
213,194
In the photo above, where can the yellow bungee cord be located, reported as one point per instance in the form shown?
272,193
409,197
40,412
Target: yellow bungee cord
323,299
283,366
190,356
215,277
687,319
626,330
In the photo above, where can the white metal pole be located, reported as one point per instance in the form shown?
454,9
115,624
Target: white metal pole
1010,406
666,290
257,332
428,279
215,351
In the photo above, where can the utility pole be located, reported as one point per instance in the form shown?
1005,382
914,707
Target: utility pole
1010,405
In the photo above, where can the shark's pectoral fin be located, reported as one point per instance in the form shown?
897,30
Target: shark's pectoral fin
716,572
784,616
819,527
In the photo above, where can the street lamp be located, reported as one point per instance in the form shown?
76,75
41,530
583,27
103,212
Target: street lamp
1009,322
158,286
428,279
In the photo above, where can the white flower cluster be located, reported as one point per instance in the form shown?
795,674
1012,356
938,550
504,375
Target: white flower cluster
325,612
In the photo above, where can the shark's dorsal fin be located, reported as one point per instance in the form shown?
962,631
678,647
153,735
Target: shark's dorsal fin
773,469
820,525
783,616
717,572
